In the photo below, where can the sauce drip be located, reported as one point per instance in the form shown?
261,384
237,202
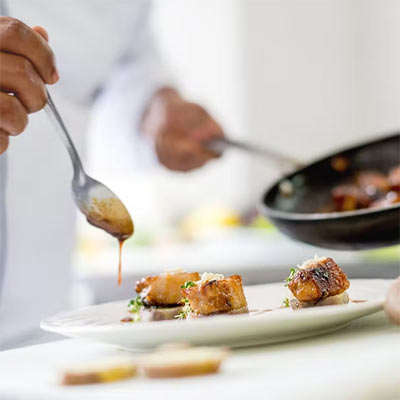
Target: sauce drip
111,215
121,243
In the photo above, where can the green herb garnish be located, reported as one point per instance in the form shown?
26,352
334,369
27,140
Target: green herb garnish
290,277
188,285
286,302
186,310
134,307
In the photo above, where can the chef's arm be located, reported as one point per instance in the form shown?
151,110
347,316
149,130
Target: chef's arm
142,100
27,63
178,130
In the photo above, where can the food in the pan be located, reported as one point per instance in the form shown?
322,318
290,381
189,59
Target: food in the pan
317,282
349,197
390,198
372,182
366,189
173,363
214,294
394,179
108,370
160,296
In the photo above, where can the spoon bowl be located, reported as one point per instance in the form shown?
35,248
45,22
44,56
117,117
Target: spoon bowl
100,205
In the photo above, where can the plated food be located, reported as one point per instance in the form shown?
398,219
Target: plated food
180,294
186,295
160,296
102,323
318,282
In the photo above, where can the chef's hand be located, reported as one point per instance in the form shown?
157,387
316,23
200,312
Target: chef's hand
179,130
26,65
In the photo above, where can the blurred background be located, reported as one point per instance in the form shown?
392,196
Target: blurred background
303,77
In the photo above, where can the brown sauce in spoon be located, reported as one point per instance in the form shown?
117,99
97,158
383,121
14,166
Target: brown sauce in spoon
111,215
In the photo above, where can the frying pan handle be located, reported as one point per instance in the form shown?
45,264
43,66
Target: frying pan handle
281,161
392,302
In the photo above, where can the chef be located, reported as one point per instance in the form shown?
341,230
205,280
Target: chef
109,79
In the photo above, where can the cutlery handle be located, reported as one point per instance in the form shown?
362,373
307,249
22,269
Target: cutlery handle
220,145
58,123
392,302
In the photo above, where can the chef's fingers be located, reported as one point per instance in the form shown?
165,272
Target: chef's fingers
42,32
181,153
13,116
18,76
18,38
3,141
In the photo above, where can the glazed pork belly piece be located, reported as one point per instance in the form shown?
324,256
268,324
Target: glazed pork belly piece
215,294
319,281
164,290
349,197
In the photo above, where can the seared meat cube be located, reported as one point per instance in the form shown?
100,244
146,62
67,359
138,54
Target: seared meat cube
349,197
164,289
394,179
221,295
317,279
373,183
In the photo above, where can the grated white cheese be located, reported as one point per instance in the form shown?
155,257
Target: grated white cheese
307,263
209,276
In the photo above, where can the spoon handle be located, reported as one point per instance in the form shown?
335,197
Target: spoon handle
58,123
219,145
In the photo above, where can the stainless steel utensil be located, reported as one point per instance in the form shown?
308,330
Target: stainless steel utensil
95,200
283,162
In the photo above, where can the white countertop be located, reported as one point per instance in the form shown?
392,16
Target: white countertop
360,362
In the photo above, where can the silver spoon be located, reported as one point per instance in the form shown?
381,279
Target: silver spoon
101,207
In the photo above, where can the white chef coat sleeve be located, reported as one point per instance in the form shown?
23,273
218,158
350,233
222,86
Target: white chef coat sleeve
114,138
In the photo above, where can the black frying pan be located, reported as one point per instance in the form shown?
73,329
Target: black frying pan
296,215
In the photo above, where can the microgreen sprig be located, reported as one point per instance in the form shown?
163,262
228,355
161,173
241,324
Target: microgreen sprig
134,307
290,277
188,285
286,302
186,310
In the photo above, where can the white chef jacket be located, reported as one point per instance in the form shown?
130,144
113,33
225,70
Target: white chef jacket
105,51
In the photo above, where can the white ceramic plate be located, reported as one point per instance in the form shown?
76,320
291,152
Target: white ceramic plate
102,323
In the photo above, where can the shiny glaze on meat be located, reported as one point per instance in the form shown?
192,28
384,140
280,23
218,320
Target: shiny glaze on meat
318,280
164,289
217,296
